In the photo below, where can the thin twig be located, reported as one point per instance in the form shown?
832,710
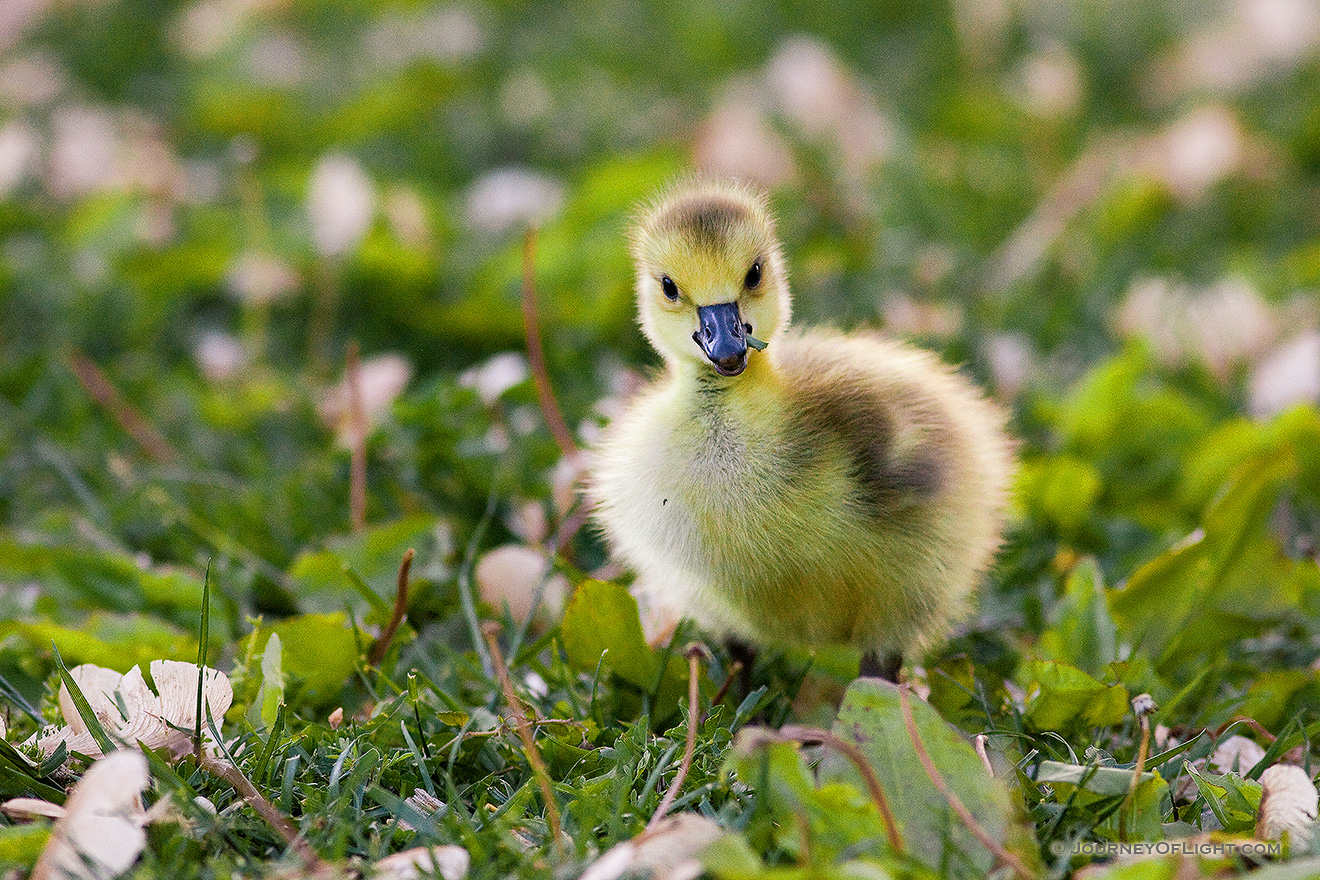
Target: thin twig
1143,706
694,654
1250,722
1074,190
396,616
933,774
266,810
357,439
490,630
96,384
545,394
735,668
852,753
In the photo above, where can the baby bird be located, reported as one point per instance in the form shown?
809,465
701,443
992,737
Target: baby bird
791,488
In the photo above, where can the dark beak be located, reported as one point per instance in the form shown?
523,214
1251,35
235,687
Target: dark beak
721,335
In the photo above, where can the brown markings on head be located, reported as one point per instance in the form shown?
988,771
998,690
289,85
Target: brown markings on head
706,219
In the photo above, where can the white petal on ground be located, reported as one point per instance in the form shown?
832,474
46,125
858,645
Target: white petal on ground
98,685
176,682
381,379
451,862
20,148
31,808
820,95
496,375
159,722
101,833
1049,83
669,852
341,202
1288,375
82,155
256,278
738,138
1288,803
1198,150
1237,754
512,198
220,356
510,575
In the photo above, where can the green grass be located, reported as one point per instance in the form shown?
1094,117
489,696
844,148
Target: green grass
1163,538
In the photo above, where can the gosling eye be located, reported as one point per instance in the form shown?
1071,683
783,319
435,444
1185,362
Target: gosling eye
669,287
753,277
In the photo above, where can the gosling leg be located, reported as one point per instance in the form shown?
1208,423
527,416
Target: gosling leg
874,665
745,655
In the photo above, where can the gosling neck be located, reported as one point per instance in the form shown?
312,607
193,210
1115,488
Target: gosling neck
702,378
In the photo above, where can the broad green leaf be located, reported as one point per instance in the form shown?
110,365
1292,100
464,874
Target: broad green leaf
871,717
1223,583
21,845
115,641
731,857
1143,869
1233,798
836,815
602,620
1082,634
1062,697
1104,781
1061,490
1269,696
953,692
323,579
270,696
319,649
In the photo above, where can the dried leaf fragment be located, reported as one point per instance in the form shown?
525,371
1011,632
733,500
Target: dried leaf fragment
450,862
667,852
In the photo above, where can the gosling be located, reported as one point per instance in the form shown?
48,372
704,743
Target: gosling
791,488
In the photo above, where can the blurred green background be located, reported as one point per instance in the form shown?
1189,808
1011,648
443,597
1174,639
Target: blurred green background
1106,211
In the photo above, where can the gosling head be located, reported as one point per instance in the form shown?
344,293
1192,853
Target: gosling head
711,281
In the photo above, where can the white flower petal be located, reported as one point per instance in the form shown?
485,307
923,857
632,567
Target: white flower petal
667,852
452,863
510,575
101,834
177,683
31,808
1237,753
341,202
1287,804
98,685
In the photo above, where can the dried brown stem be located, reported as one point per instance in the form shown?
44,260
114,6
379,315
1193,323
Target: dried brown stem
96,384
956,804
1079,187
1143,752
396,616
734,668
694,654
490,631
545,394
357,438
852,753
1249,722
282,824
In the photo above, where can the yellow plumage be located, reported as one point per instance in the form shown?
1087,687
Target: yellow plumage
829,489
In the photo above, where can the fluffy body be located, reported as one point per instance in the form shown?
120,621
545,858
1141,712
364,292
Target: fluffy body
839,489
